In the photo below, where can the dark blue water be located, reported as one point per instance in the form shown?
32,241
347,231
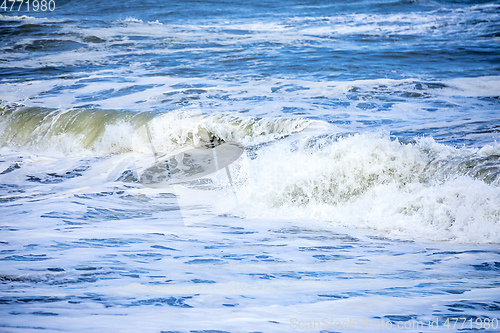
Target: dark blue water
340,41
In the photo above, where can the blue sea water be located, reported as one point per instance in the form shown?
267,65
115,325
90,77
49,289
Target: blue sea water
366,198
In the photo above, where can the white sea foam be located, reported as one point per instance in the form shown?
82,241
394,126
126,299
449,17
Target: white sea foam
259,97
485,86
22,17
372,182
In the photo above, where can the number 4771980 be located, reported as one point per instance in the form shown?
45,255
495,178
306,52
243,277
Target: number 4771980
469,323
29,5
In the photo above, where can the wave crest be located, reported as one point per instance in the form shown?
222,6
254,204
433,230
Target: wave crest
102,132
421,190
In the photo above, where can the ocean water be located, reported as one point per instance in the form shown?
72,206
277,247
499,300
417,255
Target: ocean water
366,197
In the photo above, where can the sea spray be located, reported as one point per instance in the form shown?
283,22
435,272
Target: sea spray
423,190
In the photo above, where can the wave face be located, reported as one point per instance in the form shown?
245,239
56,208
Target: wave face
102,132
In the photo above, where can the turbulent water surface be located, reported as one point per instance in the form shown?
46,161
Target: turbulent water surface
366,197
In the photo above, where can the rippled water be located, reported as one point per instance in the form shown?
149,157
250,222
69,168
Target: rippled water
367,194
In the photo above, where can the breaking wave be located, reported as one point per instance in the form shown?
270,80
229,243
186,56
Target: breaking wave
103,132
421,190
418,189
